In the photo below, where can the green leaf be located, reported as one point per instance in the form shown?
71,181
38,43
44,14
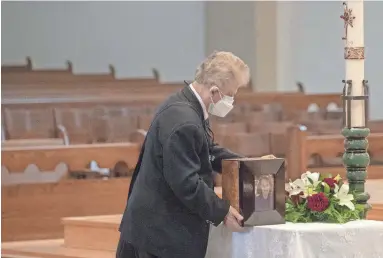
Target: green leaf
326,188
289,201
293,217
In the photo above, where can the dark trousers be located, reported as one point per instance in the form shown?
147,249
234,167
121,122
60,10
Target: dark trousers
127,250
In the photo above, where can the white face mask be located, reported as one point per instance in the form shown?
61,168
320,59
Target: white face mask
222,107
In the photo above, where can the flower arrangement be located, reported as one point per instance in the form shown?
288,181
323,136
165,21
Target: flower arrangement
315,198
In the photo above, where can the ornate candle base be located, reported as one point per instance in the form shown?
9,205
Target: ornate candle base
356,160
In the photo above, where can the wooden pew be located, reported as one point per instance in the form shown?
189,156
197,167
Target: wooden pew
26,76
32,142
76,157
32,175
247,144
84,89
262,137
376,126
94,86
17,68
20,76
303,146
100,91
90,88
63,76
48,113
287,102
28,67
323,127
34,211
38,164
119,93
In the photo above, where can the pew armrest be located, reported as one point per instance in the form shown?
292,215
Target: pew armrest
138,136
63,133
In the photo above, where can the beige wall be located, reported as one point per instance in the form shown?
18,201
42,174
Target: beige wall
222,30
263,40
265,28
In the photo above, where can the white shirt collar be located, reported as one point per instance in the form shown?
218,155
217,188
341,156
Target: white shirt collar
205,113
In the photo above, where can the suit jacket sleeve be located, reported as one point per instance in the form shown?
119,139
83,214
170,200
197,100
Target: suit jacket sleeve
219,153
181,164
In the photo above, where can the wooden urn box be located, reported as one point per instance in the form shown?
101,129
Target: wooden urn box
256,188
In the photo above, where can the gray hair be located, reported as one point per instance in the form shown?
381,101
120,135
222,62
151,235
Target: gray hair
222,69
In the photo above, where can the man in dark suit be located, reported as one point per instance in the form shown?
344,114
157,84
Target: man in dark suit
171,201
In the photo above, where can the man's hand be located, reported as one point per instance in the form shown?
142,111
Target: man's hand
233,220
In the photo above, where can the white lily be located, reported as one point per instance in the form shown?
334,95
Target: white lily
296,187
304,185
314,176
343,196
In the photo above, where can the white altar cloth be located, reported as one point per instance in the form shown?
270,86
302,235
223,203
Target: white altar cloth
356,239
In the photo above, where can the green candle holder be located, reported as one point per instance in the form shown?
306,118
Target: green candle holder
356,158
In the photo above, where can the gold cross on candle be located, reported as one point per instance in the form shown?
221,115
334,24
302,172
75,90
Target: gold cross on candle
348,19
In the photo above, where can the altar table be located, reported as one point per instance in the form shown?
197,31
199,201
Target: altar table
356,239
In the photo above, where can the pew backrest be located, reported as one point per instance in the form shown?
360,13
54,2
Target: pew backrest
32,142
76,157
303,146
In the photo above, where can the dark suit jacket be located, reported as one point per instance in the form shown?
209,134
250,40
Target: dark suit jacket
171,198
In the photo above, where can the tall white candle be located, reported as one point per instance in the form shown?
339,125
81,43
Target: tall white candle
354,57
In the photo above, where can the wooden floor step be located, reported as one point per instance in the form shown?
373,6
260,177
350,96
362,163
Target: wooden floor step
92,232
49,249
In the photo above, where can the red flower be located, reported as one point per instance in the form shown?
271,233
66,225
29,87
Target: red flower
331,182
317,202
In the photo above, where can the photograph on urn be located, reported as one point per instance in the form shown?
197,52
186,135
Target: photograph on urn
255,187
264,193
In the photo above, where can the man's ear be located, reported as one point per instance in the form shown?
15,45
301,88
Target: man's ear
214,89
